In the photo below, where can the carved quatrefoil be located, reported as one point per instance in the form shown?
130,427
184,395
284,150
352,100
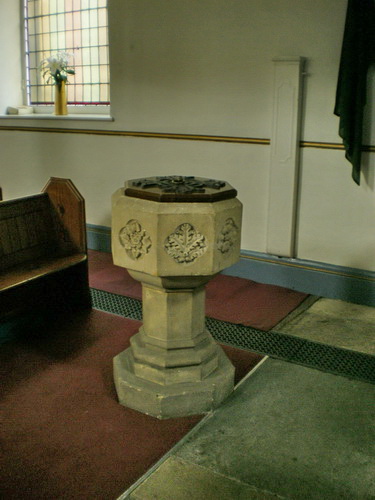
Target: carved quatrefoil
135,240
228,236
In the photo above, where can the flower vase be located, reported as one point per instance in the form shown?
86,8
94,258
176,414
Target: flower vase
61,107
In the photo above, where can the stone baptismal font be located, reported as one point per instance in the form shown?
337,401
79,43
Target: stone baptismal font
173,234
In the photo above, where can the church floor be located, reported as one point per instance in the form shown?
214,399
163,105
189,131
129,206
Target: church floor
336,323
287,431
299,426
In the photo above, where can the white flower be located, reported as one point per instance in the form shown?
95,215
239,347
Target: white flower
57,67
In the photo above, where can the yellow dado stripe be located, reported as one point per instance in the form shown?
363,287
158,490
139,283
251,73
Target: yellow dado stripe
153,135
332,145
185,137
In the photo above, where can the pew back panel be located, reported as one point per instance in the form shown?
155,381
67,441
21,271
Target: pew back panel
43,254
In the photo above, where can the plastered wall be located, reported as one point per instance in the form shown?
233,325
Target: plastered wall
204,67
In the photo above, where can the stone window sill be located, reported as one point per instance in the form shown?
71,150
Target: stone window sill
69,118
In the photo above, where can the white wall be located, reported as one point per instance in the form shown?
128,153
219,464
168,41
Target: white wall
205,67
10,54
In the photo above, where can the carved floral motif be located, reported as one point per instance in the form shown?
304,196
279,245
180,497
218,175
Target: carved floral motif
186,244
228,236
135,240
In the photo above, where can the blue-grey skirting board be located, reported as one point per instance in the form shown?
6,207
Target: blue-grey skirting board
315,278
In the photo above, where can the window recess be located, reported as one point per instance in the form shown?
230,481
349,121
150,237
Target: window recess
78,27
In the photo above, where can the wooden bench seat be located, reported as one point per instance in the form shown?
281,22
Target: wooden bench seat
37,269
43,253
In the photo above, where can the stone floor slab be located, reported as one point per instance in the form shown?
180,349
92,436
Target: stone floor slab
334,322
295,432
176,479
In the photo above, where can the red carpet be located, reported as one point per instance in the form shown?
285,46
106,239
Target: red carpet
63,433
228,298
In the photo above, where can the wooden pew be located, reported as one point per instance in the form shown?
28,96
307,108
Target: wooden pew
43,252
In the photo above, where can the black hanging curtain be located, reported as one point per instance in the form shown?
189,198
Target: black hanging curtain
357,54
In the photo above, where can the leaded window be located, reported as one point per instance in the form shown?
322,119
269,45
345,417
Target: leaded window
78,27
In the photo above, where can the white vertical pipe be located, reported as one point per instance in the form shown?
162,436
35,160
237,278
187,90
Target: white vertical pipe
284,165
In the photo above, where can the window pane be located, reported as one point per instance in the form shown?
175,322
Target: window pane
86,56
85,19
44,8
87,93
78,77
45,24
94,56
45,43
53,23
86,74
69,41
34,94
104,93
77,38
31,9
49,94
68,21
85,38
103,55
93,17
95,74
103,36
76,4
32,27
104,74
33,63
102,17
61,22
53,6
33,74
53,40
61,45
94,38
77,59
95,96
